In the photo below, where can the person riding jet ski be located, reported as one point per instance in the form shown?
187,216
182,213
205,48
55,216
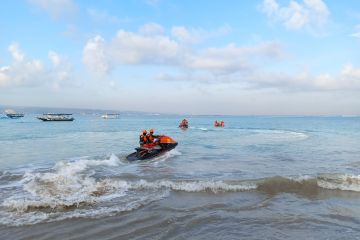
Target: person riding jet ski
149,149
184,124
143,138
151,137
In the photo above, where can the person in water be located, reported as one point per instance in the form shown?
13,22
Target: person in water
184,123
151,137
143,138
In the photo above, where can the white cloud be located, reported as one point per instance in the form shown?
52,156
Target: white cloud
136,48
4,76
95,57
297,15
196,35
55,58
147,46
31,72
102,16
357,32
56,8
151,29
347,79
231,58
242,65
150,45
16,53
61,71
153,3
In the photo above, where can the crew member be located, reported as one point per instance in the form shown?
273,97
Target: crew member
151,137
143,138
184,123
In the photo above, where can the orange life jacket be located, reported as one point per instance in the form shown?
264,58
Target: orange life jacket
143,139
150,137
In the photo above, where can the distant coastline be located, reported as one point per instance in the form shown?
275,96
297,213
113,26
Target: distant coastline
86,111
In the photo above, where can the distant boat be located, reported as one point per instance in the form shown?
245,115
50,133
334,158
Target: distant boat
56,117
12,114
111,116
219,123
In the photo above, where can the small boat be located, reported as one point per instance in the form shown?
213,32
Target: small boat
56,117
12,114
111,116
219,123
15,115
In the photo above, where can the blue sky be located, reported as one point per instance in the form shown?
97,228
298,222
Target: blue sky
197,57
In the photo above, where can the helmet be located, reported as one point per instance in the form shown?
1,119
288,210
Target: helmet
151,130
144,131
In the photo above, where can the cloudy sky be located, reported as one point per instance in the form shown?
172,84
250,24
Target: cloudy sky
197,57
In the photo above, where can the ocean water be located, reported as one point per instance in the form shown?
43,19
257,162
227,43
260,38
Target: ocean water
257,178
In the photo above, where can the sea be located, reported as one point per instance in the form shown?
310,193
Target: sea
259,177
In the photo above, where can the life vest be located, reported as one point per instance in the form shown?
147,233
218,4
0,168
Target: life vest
143,139
150,138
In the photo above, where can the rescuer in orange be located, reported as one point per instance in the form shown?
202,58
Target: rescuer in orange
143,138
151,137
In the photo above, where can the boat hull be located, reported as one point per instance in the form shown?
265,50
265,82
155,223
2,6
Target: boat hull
55,120
15,116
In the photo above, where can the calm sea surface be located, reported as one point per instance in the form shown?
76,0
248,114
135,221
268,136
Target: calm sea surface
257,178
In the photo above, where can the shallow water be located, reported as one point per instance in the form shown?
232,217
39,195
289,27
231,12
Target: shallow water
259,177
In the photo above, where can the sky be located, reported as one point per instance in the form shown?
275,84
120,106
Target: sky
261,57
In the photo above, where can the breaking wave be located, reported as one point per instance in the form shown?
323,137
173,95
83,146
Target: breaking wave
68,185
75,189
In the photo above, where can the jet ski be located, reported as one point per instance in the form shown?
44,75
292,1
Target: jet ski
160,146
183,126
219,124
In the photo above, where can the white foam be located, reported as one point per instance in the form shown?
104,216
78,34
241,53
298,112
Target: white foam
91,198
301,178
11,218
186,186
166,156
200,128
69,185
345,182
271,134
70,190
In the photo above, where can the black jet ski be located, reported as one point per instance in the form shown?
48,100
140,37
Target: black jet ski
184,126
151,150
